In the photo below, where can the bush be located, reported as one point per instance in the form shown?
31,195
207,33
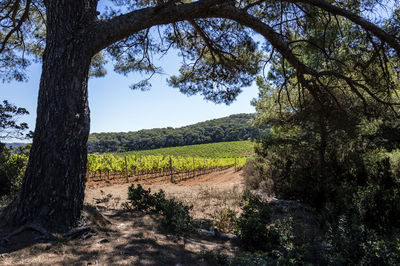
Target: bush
349,179
224,220
351,243
175,215
176,218
347,242
252,225
254,175
377,203
12,168
141,199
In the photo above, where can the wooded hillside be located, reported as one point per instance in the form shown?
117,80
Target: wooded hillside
231,128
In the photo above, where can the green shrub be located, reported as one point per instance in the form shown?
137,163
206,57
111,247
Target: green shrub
215,257
377,203
12,169
141,199
347,242
350,178
255,178
252,225
352,243
224,220
175,215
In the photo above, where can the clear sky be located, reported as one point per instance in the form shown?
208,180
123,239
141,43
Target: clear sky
116,108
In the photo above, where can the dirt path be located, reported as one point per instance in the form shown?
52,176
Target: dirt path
221,181
133,238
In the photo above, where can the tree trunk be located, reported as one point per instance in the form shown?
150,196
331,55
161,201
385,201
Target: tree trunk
52,191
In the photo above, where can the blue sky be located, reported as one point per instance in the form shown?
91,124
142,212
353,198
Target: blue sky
116,108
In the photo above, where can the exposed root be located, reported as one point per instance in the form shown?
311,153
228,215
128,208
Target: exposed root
32,226
84,232
186,240
217,234
78,232
201,244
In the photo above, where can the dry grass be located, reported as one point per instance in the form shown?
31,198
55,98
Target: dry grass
133,238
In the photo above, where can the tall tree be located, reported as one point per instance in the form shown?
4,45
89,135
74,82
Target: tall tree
215,37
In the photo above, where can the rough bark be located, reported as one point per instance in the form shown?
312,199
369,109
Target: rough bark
53,187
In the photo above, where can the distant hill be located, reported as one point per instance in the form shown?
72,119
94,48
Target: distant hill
231,128
15,144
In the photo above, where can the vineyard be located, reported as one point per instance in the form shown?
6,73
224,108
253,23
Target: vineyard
212,150
109,166
175,162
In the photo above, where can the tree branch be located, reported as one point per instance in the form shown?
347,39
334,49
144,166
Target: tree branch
19,24
365,24
105,33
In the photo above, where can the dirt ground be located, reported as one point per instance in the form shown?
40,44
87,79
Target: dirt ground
120,237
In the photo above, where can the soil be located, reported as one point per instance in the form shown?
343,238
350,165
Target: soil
124,237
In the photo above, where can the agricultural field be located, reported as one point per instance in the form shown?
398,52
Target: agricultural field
184,160
212,150
108,166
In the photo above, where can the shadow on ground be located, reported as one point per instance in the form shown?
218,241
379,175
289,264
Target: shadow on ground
120,238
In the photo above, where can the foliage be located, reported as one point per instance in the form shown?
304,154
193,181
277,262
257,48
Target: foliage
211,150
108,163
232,128
252,225
175,215
215,257
366,183
224,220
12,168
254,178
9,126
346,241
336,159
349,242
22,150
334,150
141,199
377,201
22,34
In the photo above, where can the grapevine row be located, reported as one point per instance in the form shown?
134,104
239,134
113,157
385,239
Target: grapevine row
107,165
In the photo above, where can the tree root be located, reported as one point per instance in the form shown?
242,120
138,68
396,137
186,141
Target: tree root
78,232
186,240
85,231
32,226
217,234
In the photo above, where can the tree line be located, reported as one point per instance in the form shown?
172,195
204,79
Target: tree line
232,128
